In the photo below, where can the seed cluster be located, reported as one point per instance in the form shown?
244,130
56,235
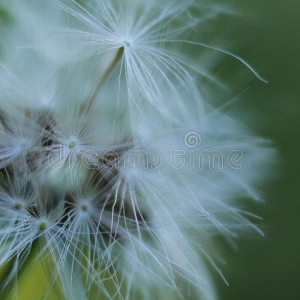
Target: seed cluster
108,156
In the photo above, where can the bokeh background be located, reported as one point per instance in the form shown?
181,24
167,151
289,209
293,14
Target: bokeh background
266,34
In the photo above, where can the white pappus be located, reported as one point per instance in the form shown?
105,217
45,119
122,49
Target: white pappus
111,165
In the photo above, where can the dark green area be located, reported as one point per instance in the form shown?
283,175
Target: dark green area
4,16
266,33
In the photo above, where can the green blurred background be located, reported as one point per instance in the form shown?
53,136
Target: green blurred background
266,34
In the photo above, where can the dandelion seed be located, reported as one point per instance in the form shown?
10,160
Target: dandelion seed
141,45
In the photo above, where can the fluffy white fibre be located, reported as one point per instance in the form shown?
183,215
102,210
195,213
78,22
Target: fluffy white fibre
109,161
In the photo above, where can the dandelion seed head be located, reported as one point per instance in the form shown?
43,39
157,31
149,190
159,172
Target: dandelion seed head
42,226
125,41
89,156
18,206
84,207
72,144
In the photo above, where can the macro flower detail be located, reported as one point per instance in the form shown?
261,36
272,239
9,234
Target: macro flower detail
115,172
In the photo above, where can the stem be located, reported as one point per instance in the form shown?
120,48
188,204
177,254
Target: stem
104,77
